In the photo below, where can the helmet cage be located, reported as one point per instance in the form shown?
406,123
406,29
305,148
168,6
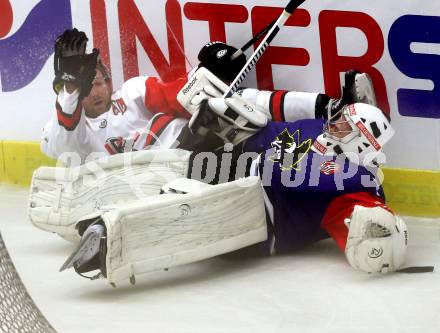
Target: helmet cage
341,117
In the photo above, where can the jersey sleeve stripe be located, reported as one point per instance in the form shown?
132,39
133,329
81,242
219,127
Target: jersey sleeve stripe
276,105
158,124
68,121
160,97
342,208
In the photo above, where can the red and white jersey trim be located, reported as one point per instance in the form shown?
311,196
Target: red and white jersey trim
342,208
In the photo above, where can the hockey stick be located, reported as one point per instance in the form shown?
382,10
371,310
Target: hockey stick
291,6
240,51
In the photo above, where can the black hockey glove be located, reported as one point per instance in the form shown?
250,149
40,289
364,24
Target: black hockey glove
72,64
216,56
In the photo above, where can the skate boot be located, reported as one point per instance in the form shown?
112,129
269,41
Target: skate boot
90,254
358,88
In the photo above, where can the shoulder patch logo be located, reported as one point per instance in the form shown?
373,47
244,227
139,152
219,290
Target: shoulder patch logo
119,106
291,147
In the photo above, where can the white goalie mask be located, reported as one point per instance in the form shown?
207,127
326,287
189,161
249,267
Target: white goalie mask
377,240
365,131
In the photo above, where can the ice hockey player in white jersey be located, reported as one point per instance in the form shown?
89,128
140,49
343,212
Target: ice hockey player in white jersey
90,118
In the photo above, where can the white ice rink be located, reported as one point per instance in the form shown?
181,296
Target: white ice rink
311,291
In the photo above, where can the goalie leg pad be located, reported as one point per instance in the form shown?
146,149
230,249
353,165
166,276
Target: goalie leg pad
59,197
175,229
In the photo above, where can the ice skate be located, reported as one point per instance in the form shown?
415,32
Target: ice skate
90,252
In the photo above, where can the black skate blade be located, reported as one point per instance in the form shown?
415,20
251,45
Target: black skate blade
417,269
81,250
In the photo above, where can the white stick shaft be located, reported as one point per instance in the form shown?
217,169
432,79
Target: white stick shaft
289,9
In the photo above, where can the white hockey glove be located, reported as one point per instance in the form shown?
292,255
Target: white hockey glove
231,119
377,240
200,86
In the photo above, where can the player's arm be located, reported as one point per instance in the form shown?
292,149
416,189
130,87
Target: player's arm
75,70
152,96
160,96
289,106
67,131
281,105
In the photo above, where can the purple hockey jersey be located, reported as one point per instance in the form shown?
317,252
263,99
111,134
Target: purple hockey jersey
301,184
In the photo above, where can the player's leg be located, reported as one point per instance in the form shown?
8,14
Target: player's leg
59,197
191,222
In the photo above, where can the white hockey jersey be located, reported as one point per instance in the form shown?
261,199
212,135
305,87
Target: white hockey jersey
143,115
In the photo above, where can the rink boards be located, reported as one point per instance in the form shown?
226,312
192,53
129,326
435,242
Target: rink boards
410,192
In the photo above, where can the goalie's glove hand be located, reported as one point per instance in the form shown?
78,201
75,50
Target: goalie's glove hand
232,119
72,64
377,240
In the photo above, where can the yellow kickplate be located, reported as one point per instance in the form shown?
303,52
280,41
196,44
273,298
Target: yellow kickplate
20,159
413,192
2,164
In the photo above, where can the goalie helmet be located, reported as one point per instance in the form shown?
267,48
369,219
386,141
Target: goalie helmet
216,57
377,240
369,130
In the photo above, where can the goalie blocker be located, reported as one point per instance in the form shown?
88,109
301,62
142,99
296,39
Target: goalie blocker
233,119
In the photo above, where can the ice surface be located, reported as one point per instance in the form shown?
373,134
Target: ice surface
311,291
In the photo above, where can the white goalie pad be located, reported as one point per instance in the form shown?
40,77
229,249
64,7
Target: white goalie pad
175,229
200,86
182,186
60,197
